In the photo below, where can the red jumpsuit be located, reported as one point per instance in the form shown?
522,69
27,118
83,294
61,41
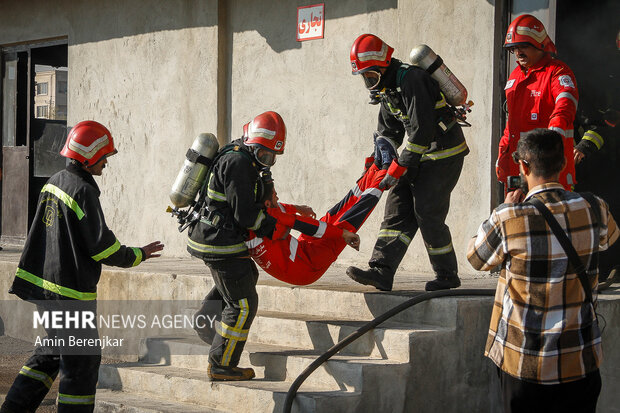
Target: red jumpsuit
544,97
304,260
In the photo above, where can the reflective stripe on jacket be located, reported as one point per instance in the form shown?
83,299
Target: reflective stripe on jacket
412,103
68,241
231,197
544,97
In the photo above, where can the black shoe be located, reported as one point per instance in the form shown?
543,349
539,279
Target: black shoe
217,373
443,282
372,276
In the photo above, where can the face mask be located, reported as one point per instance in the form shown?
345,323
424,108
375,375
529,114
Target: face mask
265,157
372,79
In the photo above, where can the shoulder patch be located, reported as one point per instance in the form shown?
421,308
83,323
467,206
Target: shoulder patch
509,84
566,81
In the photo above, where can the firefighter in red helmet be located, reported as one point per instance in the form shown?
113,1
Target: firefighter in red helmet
411,103
541,92
230,212
61,265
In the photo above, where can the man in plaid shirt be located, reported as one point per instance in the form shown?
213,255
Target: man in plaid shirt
544,335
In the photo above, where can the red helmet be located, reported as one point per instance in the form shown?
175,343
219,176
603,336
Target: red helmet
528,29
267,130
369,52
87,142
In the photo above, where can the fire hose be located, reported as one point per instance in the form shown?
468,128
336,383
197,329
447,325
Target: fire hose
292,391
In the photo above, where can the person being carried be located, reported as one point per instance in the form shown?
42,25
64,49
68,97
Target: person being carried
303,260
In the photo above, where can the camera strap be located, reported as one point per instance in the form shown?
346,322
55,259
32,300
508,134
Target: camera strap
566,244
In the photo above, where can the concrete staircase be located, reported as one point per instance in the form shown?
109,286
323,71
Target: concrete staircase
403,365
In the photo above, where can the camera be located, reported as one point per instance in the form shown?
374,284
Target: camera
513,183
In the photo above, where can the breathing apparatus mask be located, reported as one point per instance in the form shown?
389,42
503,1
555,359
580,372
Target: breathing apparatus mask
263,156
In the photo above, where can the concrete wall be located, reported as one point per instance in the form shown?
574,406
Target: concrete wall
149,71
329,123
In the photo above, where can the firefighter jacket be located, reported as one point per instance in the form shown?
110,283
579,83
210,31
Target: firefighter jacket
412,102
230,208
545,96
68,241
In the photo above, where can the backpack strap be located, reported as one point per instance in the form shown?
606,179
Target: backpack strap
566,244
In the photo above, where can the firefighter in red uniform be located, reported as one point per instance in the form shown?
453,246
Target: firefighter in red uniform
304,260
540,93
433,153
61,265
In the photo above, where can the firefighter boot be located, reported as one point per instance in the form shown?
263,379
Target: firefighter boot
217,373
443,282
373,276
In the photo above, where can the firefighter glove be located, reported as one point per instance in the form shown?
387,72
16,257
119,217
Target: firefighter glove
394,172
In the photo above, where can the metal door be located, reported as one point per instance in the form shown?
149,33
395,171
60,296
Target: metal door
15,153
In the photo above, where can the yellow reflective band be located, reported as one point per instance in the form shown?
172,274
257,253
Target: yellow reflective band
259,220
37,375
232,343
108,251
65,198
217,196
412,147
441,103
595,138
55,288
216,249
138,253
227,331
391,233
439,251
76,399
445,153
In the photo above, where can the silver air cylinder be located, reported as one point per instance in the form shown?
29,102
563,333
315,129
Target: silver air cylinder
424,57
194,170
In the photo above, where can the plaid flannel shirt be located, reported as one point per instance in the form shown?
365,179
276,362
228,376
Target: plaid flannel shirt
541,329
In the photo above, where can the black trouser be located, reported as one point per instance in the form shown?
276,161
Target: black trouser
420,201
575,396
78,375
209,314
235,280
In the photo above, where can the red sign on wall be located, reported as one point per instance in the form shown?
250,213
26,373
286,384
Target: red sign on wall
310,22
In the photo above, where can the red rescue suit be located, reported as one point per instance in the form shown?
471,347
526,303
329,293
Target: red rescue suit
545,96
304,260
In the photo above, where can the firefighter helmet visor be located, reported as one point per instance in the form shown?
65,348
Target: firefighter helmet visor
264,156
372,79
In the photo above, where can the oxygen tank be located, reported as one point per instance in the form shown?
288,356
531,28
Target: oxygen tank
194,170
424,57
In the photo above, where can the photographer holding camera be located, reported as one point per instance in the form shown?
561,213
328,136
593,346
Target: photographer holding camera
544,335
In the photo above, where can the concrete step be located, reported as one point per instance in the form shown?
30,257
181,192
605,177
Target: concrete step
358,305
110,401
273,363
193,387
317,301
391,340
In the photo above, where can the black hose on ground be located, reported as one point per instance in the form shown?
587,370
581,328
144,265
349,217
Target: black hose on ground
292,391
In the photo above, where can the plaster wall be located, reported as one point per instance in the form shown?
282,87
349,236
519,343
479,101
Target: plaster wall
325,108
148,70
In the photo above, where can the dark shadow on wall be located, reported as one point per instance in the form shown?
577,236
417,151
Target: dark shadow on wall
88,21
276,20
